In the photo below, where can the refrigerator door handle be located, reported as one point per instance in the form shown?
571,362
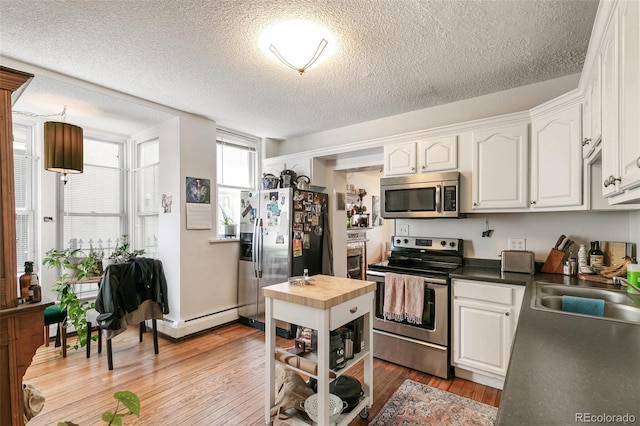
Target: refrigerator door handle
260,250
255,248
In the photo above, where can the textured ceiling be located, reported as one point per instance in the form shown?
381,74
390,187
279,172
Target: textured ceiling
391,56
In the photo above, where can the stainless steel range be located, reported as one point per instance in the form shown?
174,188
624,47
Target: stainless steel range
423,347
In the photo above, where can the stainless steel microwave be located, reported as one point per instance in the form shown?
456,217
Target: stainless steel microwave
420,196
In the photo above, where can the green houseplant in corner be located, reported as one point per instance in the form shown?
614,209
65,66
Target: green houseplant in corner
81,266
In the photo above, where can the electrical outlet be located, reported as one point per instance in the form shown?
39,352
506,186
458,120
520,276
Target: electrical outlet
517,244
403,229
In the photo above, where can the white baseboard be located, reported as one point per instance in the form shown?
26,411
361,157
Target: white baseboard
484,379
179,329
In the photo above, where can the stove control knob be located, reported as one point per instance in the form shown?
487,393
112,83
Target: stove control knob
398,241
452,243
406,241
443,243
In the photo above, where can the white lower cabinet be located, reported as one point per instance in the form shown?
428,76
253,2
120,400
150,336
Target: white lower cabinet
485,316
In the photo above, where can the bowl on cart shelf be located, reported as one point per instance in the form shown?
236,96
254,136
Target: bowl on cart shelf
336,406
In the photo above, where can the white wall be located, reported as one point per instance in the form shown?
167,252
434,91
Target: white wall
377,236
508,101
541,230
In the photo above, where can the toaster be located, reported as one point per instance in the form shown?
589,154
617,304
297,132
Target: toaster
517,261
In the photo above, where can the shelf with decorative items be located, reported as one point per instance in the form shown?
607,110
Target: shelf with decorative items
357,216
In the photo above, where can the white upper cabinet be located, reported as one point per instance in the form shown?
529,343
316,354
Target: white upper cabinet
556,157
313,168
500,174
438,154
400,159
592,113
427,155
629,149
610,135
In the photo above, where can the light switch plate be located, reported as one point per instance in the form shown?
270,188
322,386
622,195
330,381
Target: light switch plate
403,229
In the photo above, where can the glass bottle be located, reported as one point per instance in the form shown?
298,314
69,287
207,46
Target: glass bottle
25,281
596,257
583,259
35,291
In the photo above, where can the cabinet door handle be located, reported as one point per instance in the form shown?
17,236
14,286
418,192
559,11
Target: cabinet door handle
611,181
475,204
413,169
506,314
586,141
532,202
638,162
424,167
353,310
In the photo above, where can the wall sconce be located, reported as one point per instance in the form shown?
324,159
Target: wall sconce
63,148
321,46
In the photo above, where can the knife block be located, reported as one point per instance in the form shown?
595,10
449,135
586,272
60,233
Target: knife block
553,263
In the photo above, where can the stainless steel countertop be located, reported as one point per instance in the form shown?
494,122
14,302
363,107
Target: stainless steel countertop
565,366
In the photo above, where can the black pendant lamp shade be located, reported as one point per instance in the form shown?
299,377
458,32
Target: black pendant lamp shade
63,152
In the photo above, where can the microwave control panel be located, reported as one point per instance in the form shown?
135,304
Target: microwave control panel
450,198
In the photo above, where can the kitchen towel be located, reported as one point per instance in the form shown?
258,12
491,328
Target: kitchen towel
413,299
583,305
393,308
403,298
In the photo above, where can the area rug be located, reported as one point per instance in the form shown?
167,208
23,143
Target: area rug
417,404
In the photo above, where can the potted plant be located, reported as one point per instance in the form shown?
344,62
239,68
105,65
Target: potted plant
122,253
229,224
80,267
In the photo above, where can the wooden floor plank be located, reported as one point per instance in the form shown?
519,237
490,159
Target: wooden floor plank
213,378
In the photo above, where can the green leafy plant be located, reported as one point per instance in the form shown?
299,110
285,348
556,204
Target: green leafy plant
82,266
74,260
122,253
76,310
226,219
128,399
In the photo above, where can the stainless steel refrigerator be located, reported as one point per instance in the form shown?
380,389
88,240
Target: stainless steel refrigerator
281,235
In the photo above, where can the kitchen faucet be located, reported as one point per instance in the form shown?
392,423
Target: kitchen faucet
620,281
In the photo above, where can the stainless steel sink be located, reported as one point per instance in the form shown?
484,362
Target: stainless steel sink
618,305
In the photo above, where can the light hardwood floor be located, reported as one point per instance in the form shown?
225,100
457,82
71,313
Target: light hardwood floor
215,378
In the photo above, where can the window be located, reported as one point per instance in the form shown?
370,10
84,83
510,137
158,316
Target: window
147,201
24,169
236,171
93,203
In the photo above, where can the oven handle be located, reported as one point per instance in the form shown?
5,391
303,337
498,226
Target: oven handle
438,201
436,281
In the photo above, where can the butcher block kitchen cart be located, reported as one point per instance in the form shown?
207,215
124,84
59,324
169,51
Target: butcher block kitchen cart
324,304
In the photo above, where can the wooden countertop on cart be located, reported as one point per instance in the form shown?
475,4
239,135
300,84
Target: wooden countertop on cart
324,292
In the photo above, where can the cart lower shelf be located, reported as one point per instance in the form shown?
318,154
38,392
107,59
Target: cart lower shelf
362,410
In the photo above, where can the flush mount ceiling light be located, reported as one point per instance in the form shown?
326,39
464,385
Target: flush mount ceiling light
298,44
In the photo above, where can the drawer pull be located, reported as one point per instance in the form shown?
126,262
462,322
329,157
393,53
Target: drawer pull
353,310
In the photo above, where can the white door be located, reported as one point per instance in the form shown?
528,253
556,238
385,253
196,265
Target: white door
629,94
610,111
556,159
400,159
482,336
438,154
500,168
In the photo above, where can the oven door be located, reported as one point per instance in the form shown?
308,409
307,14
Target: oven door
435,318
